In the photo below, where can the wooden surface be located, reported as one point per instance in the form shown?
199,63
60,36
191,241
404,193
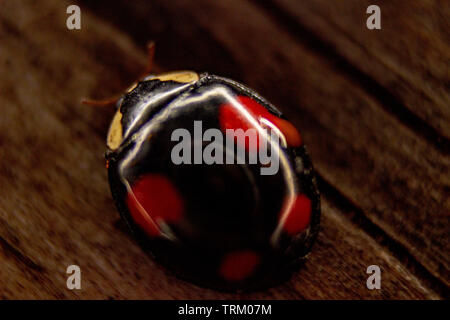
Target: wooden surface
373,108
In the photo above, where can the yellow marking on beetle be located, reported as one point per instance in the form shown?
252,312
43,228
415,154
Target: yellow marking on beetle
178,76
114,138
132,87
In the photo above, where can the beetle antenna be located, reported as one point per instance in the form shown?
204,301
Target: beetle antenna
100,103
113,100
150,57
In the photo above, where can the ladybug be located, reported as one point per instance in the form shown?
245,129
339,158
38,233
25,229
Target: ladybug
212,180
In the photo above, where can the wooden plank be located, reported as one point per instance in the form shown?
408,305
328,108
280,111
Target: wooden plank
21,278
372,158
341,258
409,56
56,209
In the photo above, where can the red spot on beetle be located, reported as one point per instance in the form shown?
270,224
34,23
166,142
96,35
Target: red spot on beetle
234,118
238,265
231,117
291,134
299,215
152,198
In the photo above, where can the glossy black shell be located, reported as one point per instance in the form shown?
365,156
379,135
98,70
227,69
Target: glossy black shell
222,212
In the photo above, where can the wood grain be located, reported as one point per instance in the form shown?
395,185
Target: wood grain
372,158
409,56
55,205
